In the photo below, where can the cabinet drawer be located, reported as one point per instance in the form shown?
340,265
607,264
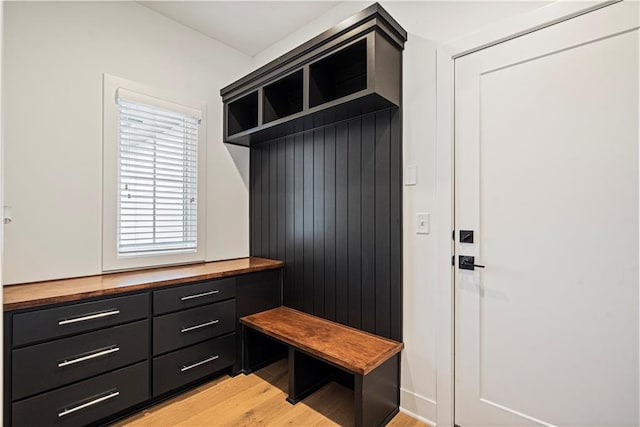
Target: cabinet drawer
87,401
58,322
192,363
188,296
176,330
45,366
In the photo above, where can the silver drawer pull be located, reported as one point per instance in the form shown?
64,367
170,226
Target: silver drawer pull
91,403
101,353
89,317
204,294
202,362
203,325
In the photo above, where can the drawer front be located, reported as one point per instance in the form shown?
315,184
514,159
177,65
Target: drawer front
41,325
192,363
176,330
188,296
46,366
87,401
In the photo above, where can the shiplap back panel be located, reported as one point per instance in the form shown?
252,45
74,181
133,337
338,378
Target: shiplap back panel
328,202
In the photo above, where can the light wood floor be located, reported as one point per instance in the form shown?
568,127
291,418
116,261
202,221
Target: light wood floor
256,400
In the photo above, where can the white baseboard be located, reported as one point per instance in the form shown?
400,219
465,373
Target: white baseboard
419,407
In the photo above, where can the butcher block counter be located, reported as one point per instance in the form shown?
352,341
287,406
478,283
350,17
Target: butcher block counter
31,295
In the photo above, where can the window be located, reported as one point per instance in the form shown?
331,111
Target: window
152,185
158,179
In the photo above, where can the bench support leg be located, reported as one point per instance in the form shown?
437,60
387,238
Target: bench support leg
258,350
306,375
377,394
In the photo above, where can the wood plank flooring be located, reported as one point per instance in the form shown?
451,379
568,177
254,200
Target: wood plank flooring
256,400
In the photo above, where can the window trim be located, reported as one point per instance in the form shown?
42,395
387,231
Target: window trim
111,260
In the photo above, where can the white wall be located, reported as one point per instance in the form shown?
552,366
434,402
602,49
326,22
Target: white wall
55,55
428,24
1,200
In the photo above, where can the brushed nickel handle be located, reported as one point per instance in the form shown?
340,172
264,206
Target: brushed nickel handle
88,404
202,325
202,362
99,353
204,294
89,317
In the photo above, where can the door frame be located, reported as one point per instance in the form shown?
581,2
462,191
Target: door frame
446,55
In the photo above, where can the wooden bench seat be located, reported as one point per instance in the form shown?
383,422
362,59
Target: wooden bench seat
314,343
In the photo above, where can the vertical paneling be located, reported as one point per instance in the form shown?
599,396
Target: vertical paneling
289,223
328,202
368,249
395,235
264,200
256,199
280,196
298,234
354,223
273,200
307,207
342,229
252,203
382,223
318,222
330,223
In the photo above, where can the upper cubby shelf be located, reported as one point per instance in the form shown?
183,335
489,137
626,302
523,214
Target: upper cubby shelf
242,114
352,69
338,75
283,97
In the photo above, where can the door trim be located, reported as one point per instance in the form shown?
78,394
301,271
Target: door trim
444,215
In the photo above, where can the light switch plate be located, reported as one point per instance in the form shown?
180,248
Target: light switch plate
423,225
411,175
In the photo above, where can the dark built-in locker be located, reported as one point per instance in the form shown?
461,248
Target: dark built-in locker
327,201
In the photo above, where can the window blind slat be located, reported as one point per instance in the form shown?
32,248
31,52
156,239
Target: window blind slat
159,137
173,131
160,156
149,175
149,179
144,161
142,146
144,188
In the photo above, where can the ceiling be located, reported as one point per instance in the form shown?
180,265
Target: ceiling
236,23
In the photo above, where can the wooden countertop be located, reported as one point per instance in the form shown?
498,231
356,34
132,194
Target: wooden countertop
30,295
352,349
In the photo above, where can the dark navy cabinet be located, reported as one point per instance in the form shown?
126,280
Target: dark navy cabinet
96,360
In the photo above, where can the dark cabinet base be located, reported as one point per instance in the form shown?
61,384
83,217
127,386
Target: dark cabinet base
100,360
255,293
87,401
192,363
73,359
187,327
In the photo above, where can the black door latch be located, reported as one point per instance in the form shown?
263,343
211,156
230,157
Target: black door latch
466,262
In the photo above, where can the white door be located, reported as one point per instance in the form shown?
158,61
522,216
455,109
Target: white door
546,169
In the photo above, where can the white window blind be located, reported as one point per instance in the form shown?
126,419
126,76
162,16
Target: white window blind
157,170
